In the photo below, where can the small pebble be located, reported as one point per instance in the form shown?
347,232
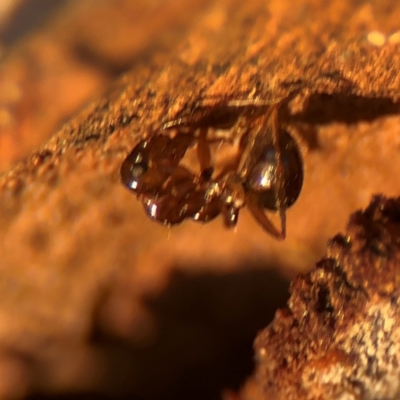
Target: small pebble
394,37
376,38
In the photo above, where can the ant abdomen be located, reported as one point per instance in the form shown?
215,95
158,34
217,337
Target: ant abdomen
262,178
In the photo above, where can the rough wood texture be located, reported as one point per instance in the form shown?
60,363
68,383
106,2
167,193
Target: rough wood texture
90,299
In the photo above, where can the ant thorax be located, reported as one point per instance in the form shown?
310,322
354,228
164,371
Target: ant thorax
213,151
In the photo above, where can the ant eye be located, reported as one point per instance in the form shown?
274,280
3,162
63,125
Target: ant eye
262,177
134,166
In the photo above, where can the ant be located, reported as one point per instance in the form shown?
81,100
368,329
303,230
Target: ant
266,173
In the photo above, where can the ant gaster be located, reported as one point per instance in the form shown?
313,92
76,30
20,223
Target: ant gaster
267,173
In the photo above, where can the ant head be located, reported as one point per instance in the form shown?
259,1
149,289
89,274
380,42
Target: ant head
135,166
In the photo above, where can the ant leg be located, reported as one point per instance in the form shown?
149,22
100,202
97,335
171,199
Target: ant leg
174,150
173,124
280,195
304,135
204,155
234,163
256,102
254,144
260,102
260,216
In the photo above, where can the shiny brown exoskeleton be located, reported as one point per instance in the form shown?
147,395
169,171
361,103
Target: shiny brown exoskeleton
267,173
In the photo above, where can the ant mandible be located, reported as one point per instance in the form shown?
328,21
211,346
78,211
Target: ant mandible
267,173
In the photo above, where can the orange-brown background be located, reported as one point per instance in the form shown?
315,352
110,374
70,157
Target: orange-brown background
96,297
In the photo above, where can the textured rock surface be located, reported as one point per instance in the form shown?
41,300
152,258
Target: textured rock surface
339,336
94,297
73,58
